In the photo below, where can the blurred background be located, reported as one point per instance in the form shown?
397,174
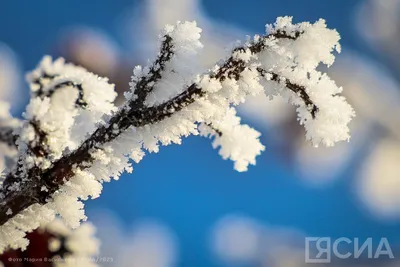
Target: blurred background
187,207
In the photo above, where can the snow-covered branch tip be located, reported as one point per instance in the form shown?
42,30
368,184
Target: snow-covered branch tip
88,144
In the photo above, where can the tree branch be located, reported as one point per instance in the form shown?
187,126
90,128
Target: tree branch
80,102
299,90
216,130
39,145
134,113
146,84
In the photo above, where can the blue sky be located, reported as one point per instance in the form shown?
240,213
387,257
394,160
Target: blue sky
189,187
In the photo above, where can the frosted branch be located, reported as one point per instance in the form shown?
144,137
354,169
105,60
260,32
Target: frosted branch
297,89
87,140
145,84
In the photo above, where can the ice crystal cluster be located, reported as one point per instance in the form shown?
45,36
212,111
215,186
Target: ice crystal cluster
73,138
